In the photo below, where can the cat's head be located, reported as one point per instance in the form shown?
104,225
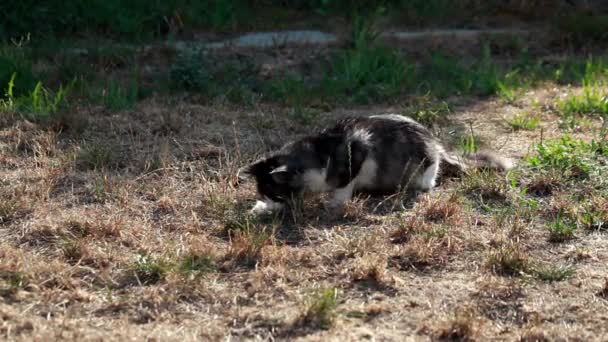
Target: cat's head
277,182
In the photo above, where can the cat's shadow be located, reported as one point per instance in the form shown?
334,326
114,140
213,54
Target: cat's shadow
292,223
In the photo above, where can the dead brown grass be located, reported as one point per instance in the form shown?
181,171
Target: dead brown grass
137,230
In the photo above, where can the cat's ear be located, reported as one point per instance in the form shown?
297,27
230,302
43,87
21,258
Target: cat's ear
280,174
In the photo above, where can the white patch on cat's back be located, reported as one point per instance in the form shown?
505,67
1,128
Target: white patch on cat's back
315,180
362,135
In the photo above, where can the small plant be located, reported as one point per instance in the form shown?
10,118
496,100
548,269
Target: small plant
11,282
8,210
96,156
594,213
509,261
561,229
246,244
117,97
486,187
426,110
551,274
320,309
193,265
593,101
149,269
573,158
469,143
523,121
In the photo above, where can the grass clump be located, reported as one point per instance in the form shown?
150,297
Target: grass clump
509,261
593,101
551,274
246,244
573,158
320,310
148,269
193,264
428,110
117,97
523,121
11,282
367,74
561,229
96,157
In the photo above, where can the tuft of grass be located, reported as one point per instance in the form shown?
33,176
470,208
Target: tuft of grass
8,210
593,101
573,158
148,269
246,244
561,229
194,265
551,274
116,97
428,110
39,104
486,187
320,310
96,157
11,282
523,121
509,261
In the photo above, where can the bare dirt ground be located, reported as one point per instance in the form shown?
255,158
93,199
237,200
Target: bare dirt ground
101,253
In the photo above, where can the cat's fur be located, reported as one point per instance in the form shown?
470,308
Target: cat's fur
376,154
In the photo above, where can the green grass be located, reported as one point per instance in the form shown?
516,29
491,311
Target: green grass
367,73
427,109
195,264
96,157
149,269
320,309
117,97
573,158
137,19
523,121
40,104
593,101
551,274
561,229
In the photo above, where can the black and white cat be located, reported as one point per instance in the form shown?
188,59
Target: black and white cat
378,154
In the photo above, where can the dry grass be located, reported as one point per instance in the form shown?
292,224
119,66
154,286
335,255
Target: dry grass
137,229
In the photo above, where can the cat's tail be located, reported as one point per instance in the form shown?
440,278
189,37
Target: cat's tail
453,166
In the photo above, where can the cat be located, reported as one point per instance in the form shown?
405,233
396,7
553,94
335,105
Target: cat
379,154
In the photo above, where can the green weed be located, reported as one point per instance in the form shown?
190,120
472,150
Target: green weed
561,229
96,156
509,261
523,121
11,282
575,159
367,74
593,101
117,97
195,264
551,274
427,110
149,269
320,309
